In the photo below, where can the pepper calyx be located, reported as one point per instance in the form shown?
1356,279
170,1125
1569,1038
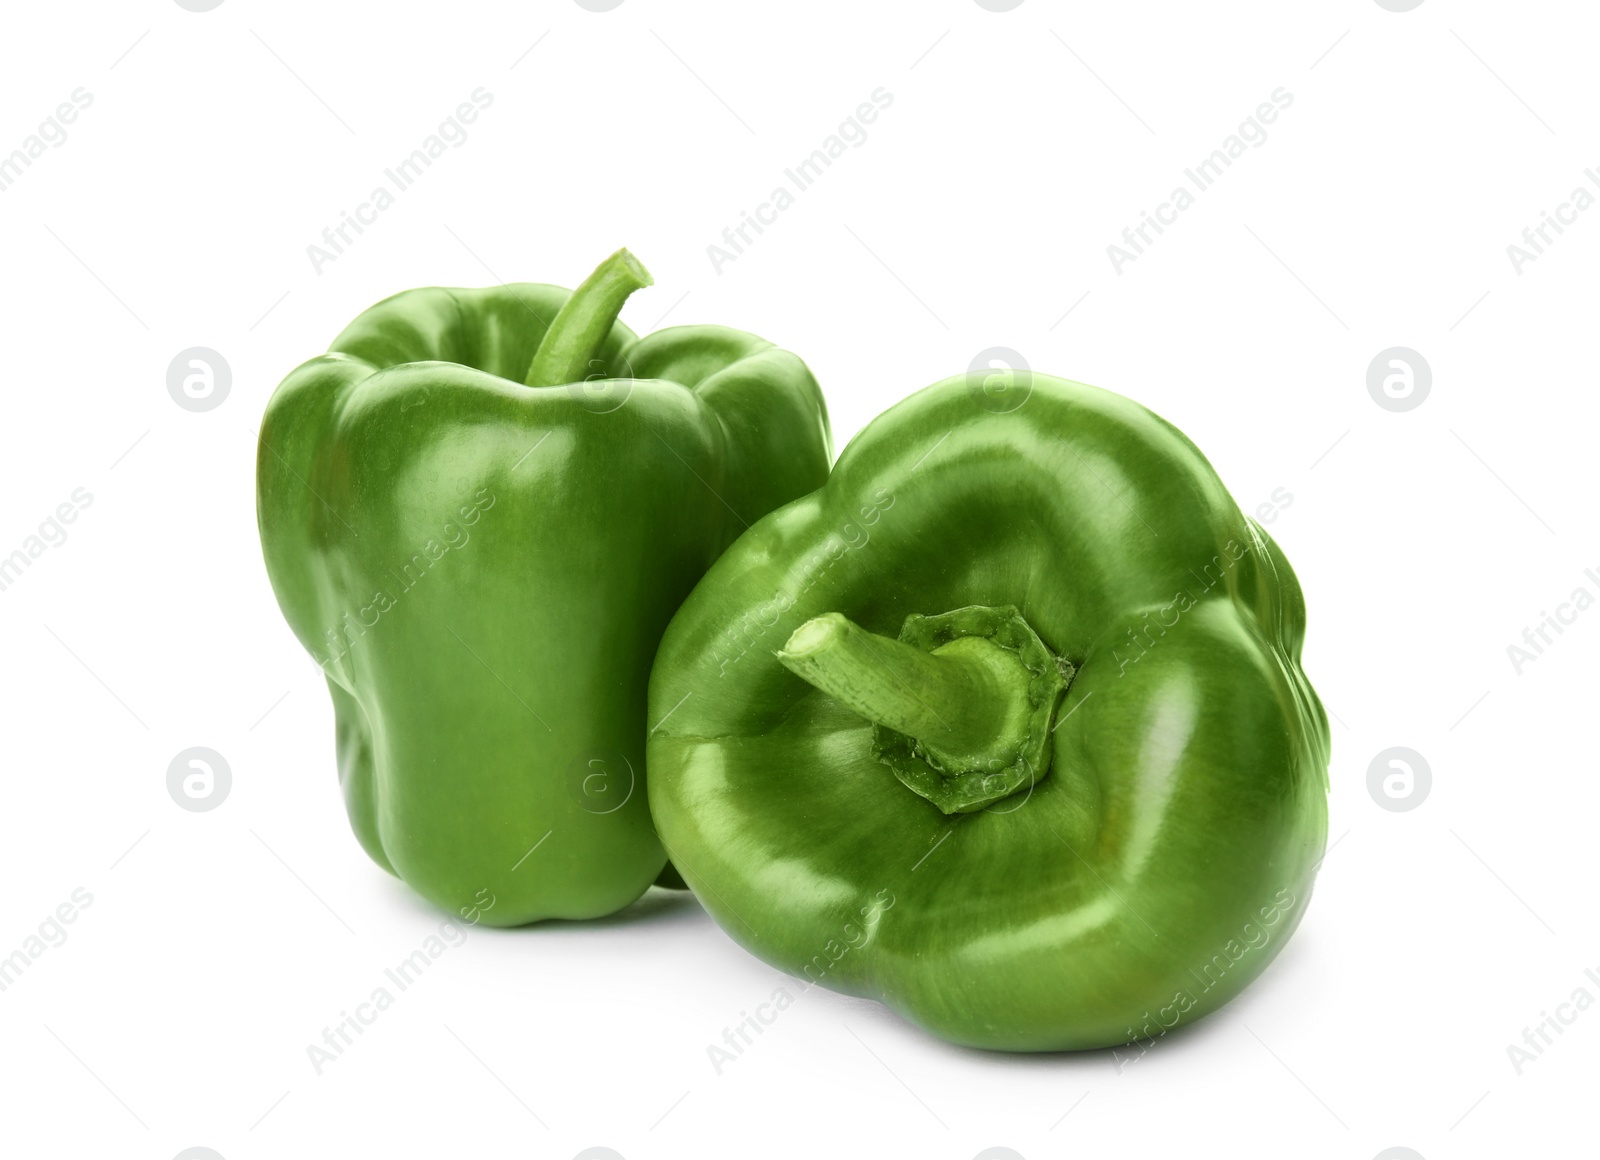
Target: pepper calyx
961,704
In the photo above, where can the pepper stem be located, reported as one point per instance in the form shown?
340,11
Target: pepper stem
961,703
571,347
944,701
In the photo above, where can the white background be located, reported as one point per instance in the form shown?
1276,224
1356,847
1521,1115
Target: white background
218,945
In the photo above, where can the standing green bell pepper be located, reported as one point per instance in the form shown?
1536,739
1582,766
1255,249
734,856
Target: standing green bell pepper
479,510
1005,726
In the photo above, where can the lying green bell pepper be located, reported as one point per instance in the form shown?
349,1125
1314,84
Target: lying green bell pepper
479,511
1005,726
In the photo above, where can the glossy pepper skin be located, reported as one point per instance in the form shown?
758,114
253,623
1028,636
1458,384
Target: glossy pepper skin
483,568
1158,850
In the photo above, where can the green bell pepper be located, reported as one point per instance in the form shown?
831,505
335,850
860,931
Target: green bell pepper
479,510
1005,726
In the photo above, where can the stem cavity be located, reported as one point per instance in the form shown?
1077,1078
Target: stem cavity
961,704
